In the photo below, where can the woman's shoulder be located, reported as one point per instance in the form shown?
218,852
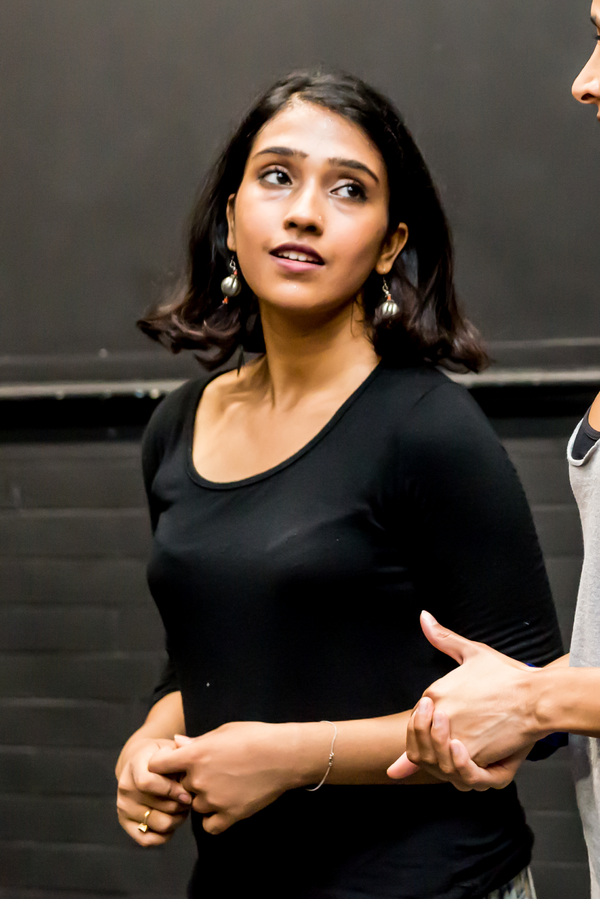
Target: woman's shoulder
168,419
429,394
435,418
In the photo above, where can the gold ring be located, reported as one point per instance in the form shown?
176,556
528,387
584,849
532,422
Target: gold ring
143,825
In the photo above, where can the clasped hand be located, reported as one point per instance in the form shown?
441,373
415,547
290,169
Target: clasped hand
144,797
485,702
231,772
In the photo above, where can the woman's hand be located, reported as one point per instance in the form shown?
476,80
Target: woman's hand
430,748
235,770
141,791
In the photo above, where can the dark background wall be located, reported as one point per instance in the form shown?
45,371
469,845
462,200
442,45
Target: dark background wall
110,112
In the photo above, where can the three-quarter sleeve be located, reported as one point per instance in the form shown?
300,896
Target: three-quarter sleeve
168,681
476,550
154,443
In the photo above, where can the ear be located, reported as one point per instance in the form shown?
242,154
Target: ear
393,245
231,223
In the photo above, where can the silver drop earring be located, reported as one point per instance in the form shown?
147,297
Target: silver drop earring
387,308
232,284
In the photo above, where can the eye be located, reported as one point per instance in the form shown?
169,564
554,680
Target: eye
353,190
278,177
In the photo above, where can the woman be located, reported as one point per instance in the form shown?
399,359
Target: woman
308,505
520,705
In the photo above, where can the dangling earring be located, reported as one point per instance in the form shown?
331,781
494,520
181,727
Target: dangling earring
231,285
387,308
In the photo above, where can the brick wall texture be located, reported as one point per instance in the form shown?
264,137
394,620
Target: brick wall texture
81,644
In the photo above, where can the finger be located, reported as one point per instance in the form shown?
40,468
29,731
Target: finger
440,739
203,806
402,767
153,784
170,761
149,800
503,772
469,775
218,822
419,746
154,819
181,740
150,838
459,648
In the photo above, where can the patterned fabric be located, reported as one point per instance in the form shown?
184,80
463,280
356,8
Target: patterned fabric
521,887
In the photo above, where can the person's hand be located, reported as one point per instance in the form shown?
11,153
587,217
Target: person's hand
234,771
489,699
428,741
141,791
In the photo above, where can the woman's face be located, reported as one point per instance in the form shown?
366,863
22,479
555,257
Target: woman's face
586,88
309,222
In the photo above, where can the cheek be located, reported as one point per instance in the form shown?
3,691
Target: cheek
360,243
254,220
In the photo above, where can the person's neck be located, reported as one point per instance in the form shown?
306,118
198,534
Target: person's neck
307,357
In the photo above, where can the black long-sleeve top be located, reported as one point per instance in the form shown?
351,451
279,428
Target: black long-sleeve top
295,595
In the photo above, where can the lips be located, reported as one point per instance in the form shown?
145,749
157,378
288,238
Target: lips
296,252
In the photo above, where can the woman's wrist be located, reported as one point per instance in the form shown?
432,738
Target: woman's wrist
308,748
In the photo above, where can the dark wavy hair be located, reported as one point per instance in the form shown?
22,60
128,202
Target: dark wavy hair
429,325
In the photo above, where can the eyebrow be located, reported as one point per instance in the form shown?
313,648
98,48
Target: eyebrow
595,22
334,160
353,164
282,151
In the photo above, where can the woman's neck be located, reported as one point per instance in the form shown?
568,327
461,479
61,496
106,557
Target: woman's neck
307,357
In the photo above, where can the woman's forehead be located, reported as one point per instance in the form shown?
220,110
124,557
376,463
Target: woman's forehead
316,132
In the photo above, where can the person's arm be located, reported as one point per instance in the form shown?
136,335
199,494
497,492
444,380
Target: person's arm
140,790
486,575
479,561
491,708
241,767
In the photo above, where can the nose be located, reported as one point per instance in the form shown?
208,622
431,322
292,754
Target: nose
586,87
305,212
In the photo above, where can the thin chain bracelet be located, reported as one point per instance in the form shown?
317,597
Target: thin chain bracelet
330,761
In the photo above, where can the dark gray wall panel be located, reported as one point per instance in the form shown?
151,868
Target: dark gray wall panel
87,675
72,533
105,581
112,112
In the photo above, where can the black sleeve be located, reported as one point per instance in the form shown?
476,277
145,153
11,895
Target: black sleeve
476,550
168,681
162,430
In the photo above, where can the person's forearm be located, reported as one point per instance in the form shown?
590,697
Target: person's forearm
363,751
164,720
567,699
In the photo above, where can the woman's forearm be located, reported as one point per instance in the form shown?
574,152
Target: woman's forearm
363,750
239,768
164,720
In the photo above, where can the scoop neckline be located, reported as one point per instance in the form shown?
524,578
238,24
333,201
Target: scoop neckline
269,472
